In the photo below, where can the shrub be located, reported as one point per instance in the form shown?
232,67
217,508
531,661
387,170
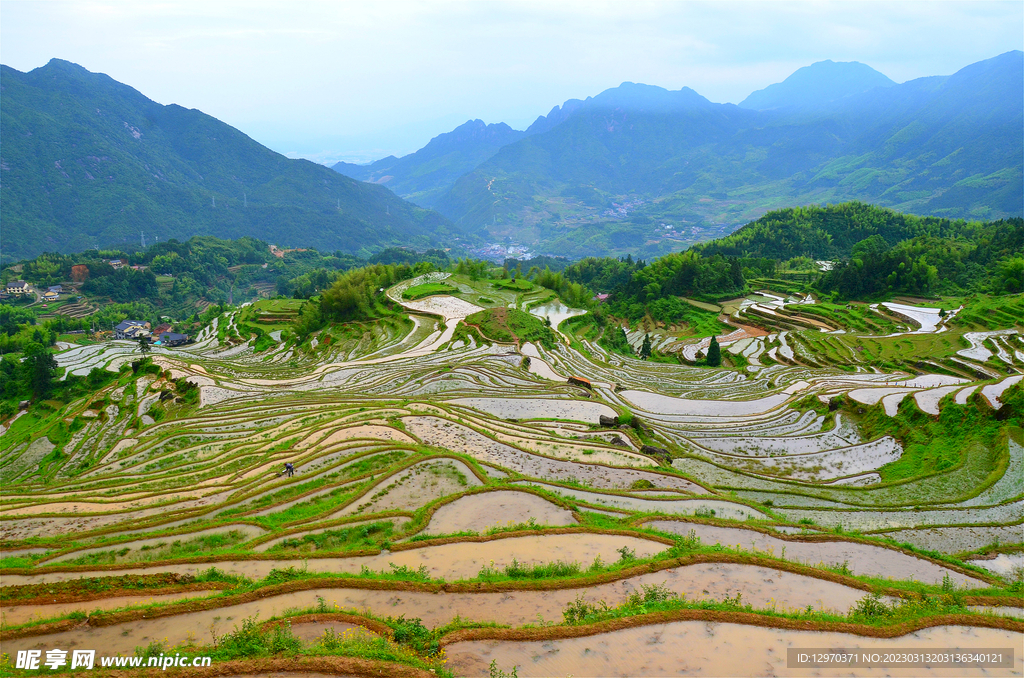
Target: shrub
251,640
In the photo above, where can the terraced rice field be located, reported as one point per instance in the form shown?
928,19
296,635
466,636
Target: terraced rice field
728,515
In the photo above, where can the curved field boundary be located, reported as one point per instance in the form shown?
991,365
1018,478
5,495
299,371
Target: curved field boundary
910,508
522,430
747,618
88,596
341,666
828,537
707,453
556,485
233,500
404,466
212,560
301,527
426,513
933,526
602,578
201,530
202,604
651,469
380,628
440,541
802,488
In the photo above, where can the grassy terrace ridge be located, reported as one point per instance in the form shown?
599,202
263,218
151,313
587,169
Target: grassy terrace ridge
681,551
427,290
932,600
511,326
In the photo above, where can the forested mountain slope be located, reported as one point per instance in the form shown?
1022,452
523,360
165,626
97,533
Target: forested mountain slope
646,170
87,161
424,176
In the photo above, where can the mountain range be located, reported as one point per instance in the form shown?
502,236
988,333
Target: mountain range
424,176
89,162
645,170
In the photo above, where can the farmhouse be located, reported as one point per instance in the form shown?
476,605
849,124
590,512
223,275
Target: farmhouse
17,287
131,329
173,339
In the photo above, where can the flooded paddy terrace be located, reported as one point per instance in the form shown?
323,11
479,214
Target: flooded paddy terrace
404,425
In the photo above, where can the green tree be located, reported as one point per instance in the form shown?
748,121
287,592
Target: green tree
143,345
714,353
1010,275
645,350
41,367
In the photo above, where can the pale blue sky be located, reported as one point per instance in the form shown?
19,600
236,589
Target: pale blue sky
359,80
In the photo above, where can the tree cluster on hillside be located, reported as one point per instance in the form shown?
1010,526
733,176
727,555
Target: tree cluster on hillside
603,274
20,326
637,289
830,232
169,278
404,255
571,293
356,295
990,260
539,262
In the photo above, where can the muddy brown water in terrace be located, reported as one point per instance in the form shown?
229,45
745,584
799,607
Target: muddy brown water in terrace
14,615
451,561
761,587
479,512
861,558
695,648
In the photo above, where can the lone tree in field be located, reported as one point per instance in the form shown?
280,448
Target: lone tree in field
143,345
714,353
42,368
645,349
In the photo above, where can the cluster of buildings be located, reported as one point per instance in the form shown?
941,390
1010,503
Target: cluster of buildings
19,287
118,264
133,330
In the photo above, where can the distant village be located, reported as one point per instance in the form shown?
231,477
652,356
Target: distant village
131,330
161,335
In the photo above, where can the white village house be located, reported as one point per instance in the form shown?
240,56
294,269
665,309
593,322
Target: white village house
131,329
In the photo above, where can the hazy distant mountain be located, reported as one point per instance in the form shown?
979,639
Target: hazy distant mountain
817,84
88,161
627,96
642,169
424,176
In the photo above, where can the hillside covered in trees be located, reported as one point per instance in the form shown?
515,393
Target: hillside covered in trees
89,162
